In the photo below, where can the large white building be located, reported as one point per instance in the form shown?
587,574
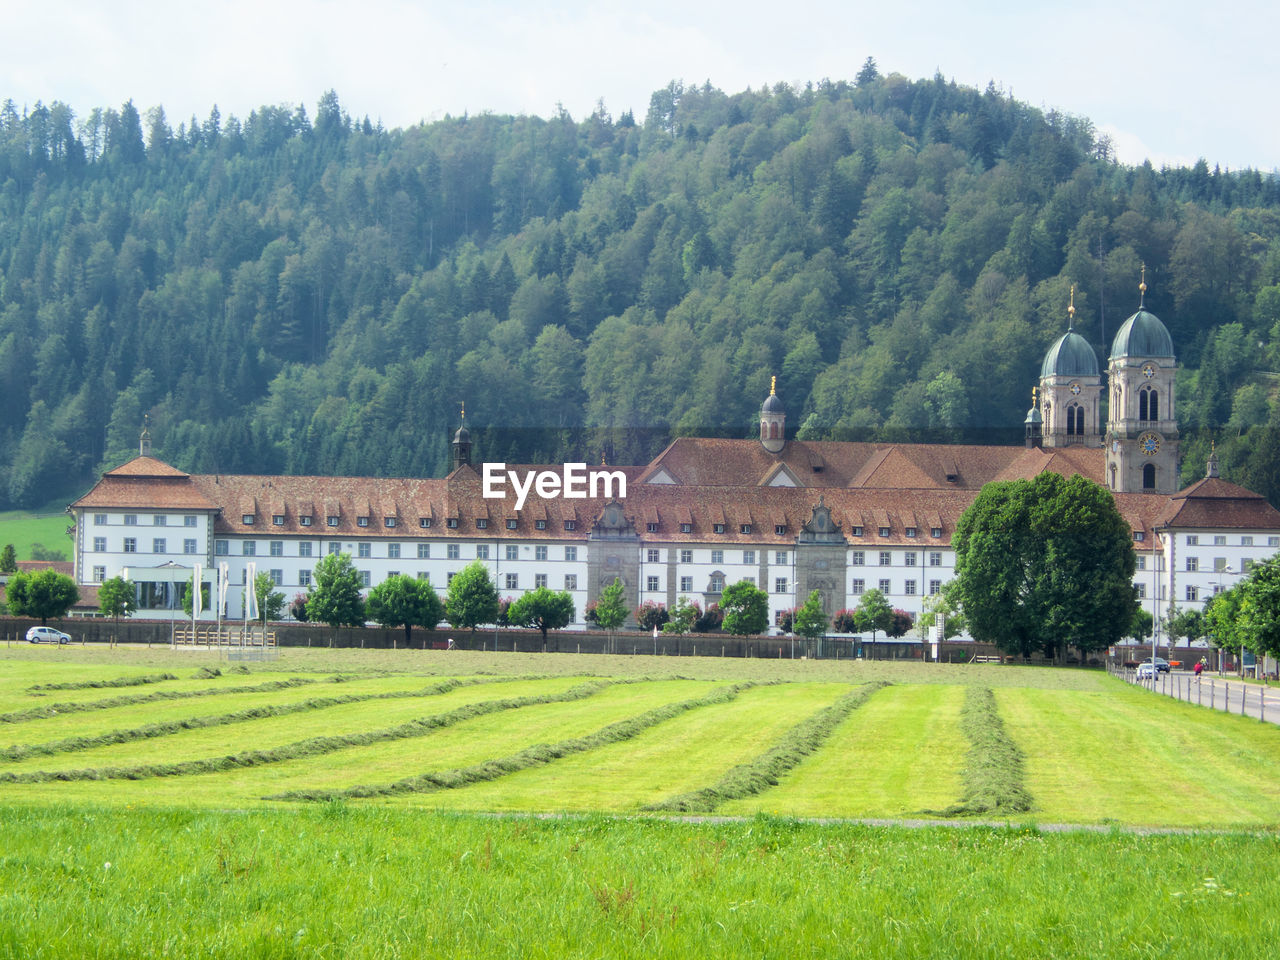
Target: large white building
791,516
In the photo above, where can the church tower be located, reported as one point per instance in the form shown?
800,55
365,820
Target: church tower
773,421
1142,432
1071,389
462,444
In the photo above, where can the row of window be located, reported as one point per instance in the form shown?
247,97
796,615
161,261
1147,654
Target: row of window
453,551
1220,540
390,523
1219,565
157,520
781,585
158,545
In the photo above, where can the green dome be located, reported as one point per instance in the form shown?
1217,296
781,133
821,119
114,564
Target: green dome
1070,356
1142,335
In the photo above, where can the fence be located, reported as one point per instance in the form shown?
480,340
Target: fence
1216,693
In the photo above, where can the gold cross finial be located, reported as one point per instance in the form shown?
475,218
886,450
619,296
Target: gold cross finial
1035,396
1071,308
1142,287
463,406
773,387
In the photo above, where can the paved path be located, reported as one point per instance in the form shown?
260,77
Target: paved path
1219,693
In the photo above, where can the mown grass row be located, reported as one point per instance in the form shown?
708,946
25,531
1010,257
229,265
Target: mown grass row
994,777
764,771
103,684
169,727
530,757
314,746
129,700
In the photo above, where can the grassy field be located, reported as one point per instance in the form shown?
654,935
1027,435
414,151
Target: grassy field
376,804
23,528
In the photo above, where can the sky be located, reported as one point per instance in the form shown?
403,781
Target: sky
1170,83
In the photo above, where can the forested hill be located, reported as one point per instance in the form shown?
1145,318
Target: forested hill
288,294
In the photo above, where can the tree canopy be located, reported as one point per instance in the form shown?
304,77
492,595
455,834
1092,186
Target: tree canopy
542,608
471,599
334,597
1044,564
43,594
745,608
405,601
810,621
900,249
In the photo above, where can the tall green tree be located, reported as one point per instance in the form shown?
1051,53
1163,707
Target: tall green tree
8,559
42,594
117,598
1224,621
873,613
1260,608
611,609
405,601
684,614
542,608
810,621
471,599
334,597
1045,564
746,609
270,600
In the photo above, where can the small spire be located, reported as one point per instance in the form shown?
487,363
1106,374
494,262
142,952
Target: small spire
1142,288
144,441
463,406
1071,309
1035,396
602,463
1213,461
773,386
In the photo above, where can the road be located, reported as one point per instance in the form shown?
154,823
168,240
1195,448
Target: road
1219,693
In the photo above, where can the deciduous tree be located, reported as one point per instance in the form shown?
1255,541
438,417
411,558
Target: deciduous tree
746,609
611,609
472,599
405,601
334,597
542,608
811,622
43,594
116,598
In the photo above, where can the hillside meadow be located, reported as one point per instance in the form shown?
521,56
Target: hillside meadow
433,803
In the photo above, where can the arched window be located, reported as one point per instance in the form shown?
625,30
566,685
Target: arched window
1149,476
1112,477
773,431
764,430
1148,404
1075,420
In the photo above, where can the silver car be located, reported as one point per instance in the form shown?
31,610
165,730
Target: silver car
47,635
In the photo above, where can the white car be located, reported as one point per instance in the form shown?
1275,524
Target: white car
1146,671
47,635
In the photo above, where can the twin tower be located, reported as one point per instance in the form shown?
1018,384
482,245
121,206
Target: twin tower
1141,438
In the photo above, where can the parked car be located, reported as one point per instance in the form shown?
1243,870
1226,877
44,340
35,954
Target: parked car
47,635
1145,670
1162,665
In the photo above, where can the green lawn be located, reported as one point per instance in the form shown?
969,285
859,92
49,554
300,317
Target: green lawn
22,528
1126,756
898,754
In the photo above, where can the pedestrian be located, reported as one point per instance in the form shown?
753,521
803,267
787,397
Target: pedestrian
1199,667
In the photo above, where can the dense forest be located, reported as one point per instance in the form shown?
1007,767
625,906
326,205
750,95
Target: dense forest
282,293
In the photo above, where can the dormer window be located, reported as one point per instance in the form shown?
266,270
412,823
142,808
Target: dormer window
856,531
935,531
388,522
512,524
277,519
1139,535
540,524
686,528
482,523
247,519
331,521
884,531
745,529
451,523
304,521
718,527
362,521
424,522
779,529
650,528
911,531
571,524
